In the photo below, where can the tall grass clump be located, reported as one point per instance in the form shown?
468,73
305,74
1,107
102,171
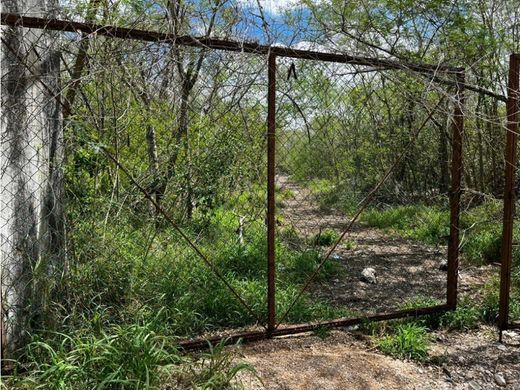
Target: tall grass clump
123,357
408,341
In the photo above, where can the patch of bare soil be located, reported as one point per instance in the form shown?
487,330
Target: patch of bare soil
404,269
459,361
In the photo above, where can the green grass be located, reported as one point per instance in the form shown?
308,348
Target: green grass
465,317
421,223
480,244
430,321
115,317
325,237
408,341
123,357
481,227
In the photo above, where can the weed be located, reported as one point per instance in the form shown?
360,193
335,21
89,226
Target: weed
325,237
215,369
431,321
422,223
465,317
409,341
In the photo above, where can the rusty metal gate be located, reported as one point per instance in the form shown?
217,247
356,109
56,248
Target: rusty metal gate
292,121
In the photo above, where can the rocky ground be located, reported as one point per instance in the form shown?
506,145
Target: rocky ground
346,360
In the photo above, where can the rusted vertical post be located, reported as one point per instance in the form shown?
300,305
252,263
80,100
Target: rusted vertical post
509,190
456,176
271,224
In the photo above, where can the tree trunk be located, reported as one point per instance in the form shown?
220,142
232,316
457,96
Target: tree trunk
31,156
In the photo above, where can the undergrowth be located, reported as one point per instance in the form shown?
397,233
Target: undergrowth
115,317
123,357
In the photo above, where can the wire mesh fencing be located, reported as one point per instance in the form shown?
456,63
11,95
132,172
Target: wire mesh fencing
31,206
185,187
350,140
167,199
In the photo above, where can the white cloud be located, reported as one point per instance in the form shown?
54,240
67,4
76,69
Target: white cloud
272,6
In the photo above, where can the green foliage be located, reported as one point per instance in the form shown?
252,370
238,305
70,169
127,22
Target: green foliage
489,306
424,223
484,247
214,370
409,341
466,316
126,357
289,235
325,237
430,321
349,244
481,226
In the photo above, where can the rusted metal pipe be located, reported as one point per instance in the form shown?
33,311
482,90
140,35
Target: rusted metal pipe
202,343
220,44
456,177
509,190
271,204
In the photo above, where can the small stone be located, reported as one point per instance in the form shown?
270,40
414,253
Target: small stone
368,275
474,385
443,266
500,380
501,347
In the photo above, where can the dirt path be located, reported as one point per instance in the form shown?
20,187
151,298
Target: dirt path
345,360
404,269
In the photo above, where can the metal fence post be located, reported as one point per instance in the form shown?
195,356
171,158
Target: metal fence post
509,190
456,176
271,222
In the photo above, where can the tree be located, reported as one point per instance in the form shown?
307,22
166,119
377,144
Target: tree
31,217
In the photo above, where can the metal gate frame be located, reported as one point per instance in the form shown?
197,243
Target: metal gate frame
272,52
512,108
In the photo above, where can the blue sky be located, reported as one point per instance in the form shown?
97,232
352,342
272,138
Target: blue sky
275,13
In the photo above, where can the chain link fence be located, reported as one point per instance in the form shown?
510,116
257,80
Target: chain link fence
152,202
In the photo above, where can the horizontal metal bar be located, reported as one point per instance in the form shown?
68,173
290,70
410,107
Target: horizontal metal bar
213,43
202,343
239,46
514,325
